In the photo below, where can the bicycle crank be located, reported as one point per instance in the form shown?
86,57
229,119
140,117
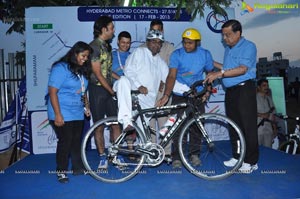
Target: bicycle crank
155,154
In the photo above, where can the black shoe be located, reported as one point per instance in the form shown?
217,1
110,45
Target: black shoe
77,172
62,178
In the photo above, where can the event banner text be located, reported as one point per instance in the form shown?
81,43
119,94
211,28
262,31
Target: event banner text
132,13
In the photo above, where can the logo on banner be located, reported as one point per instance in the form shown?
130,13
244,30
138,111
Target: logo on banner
43,136
52,139
274,8
215,21
246,8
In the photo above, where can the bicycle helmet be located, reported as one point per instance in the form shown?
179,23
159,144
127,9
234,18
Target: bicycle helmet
155,34
191,33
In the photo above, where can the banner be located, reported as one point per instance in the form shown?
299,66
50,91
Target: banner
43,136
49,36
15,126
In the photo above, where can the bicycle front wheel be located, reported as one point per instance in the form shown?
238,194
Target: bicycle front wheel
122,159
290,147
208,138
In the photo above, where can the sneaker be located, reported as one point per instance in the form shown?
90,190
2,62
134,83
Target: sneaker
176,164
230,163
195,160
254,167
103,164
248,168
62,178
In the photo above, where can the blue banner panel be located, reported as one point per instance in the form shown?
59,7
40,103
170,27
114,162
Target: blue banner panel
132,13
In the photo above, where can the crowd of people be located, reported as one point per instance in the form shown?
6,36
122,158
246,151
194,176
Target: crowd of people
92,79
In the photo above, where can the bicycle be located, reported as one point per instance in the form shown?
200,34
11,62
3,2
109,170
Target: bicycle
137,149
292,144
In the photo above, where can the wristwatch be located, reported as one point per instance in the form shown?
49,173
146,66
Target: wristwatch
222,71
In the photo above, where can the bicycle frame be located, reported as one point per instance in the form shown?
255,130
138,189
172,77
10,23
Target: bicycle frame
190,109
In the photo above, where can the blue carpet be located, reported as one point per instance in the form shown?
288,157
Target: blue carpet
278,177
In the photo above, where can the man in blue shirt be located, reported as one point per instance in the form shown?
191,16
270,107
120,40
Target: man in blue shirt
120,55
187,65
238,72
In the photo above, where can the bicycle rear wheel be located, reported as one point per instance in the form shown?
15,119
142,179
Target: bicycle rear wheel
125,147
207,137
290,147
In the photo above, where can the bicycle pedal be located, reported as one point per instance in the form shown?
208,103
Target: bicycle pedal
168,160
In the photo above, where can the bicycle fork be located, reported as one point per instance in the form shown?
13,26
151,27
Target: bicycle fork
200,126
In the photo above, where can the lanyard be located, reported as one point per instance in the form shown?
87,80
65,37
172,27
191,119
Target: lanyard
119,60
82,84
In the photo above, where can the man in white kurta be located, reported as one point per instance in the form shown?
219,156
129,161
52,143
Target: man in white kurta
144,70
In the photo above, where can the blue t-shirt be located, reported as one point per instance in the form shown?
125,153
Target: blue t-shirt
243,53
191,66
118,65
69,93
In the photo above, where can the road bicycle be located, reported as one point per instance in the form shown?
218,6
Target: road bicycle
137,150
292,143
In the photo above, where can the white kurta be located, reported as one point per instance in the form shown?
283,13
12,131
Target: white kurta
144,69
141,69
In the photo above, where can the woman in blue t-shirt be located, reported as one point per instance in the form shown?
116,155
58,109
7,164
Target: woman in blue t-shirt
67,105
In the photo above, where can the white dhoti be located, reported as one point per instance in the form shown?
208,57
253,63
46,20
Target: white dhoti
123,89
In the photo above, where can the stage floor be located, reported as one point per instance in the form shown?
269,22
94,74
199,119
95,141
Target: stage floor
33,177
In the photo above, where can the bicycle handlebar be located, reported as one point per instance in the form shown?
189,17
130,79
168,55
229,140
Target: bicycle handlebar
286,117
194,86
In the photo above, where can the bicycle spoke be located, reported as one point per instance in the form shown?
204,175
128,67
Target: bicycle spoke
212,149
123,162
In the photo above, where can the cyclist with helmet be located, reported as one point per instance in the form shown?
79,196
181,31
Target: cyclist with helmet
187,65
144,70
